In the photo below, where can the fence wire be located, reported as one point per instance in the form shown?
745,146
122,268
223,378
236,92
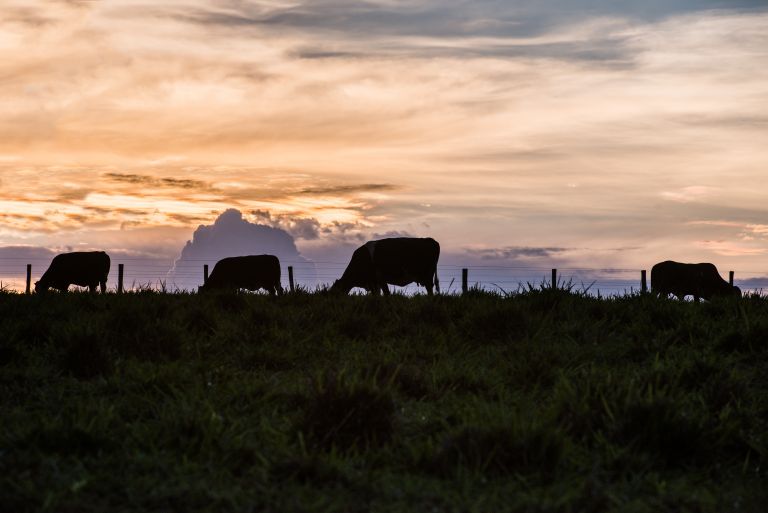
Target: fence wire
169,275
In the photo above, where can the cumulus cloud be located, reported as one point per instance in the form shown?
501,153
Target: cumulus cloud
232,235
307,228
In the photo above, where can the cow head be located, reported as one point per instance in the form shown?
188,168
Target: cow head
40,288
736,291
340,287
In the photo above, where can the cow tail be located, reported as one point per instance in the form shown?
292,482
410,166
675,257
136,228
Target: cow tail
437,282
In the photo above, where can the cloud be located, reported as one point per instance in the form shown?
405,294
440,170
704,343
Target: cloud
427,29
391,234
758,229
731,248
232,235
517,252
25,254
757,284
438,18
27,16
179,183
344,190
306,228
690,194
50,198
347,29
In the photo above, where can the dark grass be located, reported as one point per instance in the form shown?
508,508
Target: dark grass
540,401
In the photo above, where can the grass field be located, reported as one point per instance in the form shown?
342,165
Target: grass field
543,401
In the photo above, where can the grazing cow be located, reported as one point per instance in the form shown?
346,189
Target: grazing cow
398,261
250,272
83,268
697,280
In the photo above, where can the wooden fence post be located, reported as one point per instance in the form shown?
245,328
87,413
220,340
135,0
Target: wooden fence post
554,279
29,278
464,280
643,282
205,273
290,278
730,278
120,278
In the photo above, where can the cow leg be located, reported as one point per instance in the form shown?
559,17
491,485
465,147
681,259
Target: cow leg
103,286
385,289
427,284
92,288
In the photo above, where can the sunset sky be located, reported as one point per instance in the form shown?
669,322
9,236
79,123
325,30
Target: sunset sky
573,132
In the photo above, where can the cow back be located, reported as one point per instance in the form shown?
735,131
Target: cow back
250,272
397,261
81,268
404,260
698,280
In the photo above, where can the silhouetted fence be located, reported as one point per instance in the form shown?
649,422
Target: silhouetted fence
137,274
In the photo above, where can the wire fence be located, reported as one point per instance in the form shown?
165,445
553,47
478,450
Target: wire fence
172,276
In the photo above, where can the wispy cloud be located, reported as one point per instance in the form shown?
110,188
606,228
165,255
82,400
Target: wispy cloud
690,193
180,183
731,248
348,189
515,253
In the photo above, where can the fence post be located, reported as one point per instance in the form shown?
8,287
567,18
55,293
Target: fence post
730,278
643,282
554,279
464,280
290,277
119,278
205,273
29,278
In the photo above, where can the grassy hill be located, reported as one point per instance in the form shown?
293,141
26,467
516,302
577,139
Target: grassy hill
544,401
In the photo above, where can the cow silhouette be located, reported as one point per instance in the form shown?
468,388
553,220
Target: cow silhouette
697,280
83,268
396,261
251,272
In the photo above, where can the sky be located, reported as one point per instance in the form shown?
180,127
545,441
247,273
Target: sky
571,133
